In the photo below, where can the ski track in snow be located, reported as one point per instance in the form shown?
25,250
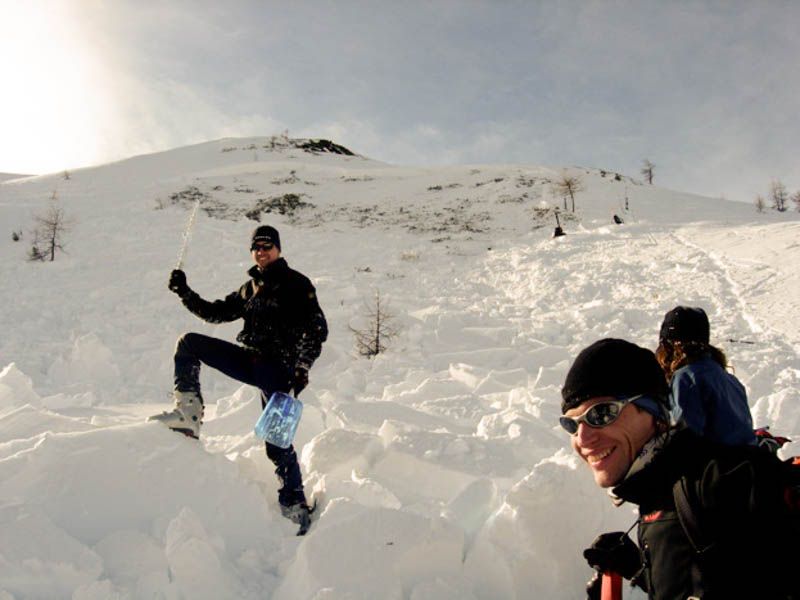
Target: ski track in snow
439,467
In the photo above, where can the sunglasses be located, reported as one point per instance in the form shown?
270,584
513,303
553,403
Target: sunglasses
601,414
265,247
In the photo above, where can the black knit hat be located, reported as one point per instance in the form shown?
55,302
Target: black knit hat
612,367
685,324
267,234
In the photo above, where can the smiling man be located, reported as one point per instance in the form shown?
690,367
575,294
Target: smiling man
283,332
613,382
704,508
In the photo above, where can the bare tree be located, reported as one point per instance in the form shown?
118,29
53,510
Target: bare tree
647,170
48,234
796,200
568,185
379,329
761,204
778,195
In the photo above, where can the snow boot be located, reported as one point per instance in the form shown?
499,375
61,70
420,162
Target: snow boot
186,417
300,514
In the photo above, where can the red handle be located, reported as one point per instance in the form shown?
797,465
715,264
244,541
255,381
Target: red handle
612,587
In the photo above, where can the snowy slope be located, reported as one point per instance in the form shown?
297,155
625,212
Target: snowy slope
438,466
9,176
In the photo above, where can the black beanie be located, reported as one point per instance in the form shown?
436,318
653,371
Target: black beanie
265,233
612,367
685,324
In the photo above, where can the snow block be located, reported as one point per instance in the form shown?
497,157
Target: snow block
513,544
379,552
341,451
38,559
16,389
90,364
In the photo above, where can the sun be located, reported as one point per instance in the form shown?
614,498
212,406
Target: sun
51,105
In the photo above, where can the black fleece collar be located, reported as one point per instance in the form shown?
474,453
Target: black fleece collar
675,455
273,271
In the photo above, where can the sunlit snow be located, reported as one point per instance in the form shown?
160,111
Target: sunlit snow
439,468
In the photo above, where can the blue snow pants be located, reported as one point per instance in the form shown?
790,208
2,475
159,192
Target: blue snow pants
250,367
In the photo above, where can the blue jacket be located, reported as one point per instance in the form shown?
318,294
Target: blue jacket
712,402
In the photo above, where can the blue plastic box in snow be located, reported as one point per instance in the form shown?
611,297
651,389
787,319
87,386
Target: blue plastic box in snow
278,423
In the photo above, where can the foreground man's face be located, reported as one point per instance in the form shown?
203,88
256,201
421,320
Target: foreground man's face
609,451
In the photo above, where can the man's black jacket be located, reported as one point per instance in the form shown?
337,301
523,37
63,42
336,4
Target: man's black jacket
282,317
736,495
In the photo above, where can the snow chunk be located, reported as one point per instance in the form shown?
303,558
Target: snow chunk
89,365
133,559
516,548
16,388
472,506
197,563
38,559
363,490
27,421
341,450
378,553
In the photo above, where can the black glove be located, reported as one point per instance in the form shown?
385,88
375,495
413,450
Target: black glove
177,283
300,379
594,587
614,552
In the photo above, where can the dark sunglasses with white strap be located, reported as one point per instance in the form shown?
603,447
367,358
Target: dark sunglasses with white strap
264,246
598,415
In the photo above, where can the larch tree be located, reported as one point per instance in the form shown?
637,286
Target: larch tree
567,186
647,170
778,195
379,329
49,233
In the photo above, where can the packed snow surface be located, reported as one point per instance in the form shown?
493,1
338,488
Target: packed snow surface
438,466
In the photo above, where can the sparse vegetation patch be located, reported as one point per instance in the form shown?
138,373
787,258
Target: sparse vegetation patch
495,180
287,204
439,188
283,141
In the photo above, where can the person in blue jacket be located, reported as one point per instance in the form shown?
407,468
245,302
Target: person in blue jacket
709,399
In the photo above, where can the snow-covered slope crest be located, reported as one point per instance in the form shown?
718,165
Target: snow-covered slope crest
438,466
10,176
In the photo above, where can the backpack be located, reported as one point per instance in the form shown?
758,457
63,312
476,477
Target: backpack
777,529
765,439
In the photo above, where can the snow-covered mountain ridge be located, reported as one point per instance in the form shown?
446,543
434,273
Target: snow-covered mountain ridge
439,467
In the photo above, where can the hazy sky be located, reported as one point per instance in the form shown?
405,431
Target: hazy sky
708,91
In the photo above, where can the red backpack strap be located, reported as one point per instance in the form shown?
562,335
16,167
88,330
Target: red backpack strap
791,493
